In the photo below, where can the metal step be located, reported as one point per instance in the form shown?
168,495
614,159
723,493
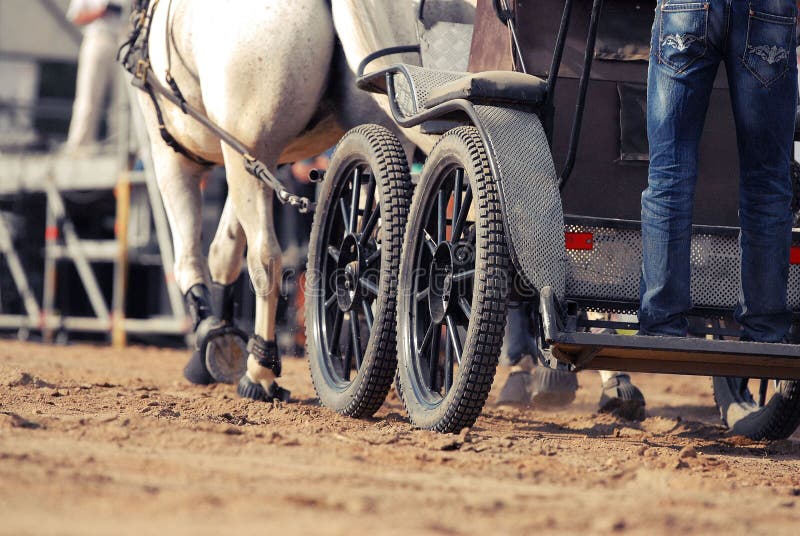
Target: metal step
677,355
666,355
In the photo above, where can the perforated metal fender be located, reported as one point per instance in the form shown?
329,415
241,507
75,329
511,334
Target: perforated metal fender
532,213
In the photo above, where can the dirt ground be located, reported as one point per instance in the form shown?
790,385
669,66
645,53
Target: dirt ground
102,441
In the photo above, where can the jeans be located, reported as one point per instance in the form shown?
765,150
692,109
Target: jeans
756,41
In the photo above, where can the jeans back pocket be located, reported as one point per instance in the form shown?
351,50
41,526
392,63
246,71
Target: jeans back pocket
770,45
682,33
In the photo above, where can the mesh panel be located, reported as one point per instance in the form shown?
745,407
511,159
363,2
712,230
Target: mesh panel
532,204
421,83
611,269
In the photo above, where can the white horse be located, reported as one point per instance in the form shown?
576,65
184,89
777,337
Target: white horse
271,73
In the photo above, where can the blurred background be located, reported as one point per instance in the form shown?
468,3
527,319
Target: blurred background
84,240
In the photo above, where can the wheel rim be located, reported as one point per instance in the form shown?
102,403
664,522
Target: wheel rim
444,269
350,273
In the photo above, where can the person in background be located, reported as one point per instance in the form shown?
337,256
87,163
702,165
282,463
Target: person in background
102,22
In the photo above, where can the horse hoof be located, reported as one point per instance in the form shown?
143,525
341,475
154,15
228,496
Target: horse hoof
195,370
255,391
226,356
553,388
620,397
517,389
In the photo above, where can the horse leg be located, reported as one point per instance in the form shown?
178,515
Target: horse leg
225,257
252,201
226,345
179,183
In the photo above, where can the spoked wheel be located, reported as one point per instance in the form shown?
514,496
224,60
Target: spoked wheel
453,286
771,411
354,255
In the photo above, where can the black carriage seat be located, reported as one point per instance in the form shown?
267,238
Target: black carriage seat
492,87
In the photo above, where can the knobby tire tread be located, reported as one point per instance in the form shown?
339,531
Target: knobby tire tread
380,357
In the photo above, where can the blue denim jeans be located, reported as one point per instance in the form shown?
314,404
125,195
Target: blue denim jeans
756,41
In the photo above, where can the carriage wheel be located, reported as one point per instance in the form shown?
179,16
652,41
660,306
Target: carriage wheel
453,286
353,260
773,413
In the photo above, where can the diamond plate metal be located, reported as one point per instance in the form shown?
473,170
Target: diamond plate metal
445,46
420,85
612,268
529,185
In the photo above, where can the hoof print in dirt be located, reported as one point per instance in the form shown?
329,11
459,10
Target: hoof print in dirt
255,391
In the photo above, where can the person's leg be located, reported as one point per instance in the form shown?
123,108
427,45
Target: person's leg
762,74
683,63
519,351
95,61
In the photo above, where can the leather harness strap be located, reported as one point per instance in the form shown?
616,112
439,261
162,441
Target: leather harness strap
135,58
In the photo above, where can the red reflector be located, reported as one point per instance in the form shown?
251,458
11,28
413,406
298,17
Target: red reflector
794,255
51,233
579,240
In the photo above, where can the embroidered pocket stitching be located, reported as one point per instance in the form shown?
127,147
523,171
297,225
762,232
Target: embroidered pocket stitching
663,40
769,53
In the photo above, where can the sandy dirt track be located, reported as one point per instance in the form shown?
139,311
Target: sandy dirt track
102,441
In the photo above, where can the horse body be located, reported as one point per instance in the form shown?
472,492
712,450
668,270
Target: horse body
270,73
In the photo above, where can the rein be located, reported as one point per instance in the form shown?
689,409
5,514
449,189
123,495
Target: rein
134,55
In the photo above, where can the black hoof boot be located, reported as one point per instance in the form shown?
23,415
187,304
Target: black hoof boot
255,391
223,301
198,302
195,370
553,388
620,397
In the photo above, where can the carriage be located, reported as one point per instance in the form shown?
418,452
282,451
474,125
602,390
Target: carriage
532,194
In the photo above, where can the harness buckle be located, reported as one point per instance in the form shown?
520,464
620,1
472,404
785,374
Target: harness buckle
141,70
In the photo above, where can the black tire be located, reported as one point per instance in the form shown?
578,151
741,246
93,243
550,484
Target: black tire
368,290
437,395
776,418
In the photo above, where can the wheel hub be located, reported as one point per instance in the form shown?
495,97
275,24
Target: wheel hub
348,272
441,286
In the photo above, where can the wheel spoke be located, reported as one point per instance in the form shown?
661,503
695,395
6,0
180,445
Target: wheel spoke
448,363
334,252
348,361
330,301
430,242
345,214
433,360
457,188
463,304
441,217
452,331
369,286
333,343
351,226
762,392
422,294
463,276
368,316
426,339
433,356
369,226
374,256
458,227
370,198
355,338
